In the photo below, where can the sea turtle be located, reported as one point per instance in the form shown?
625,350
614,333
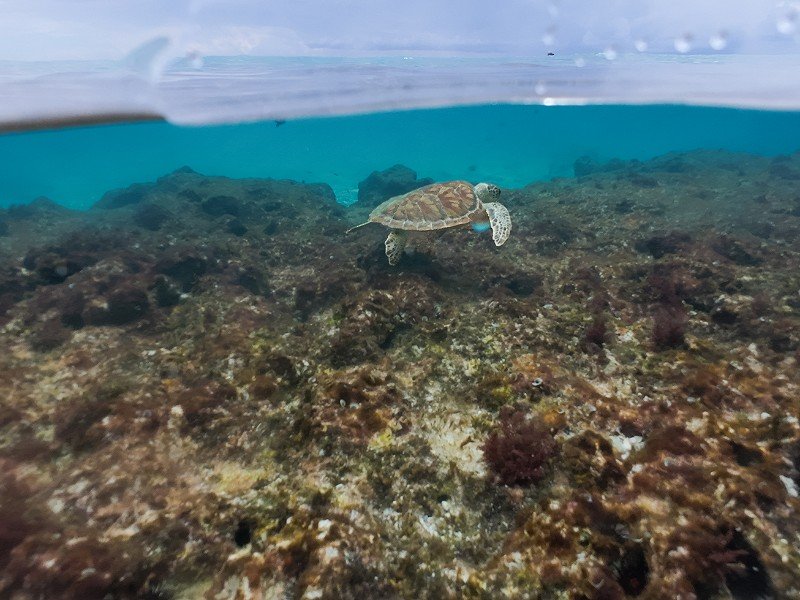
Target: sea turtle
439,206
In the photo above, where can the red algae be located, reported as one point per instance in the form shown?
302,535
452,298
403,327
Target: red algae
519,450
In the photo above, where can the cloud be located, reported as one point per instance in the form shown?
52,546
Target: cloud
241,39
109,29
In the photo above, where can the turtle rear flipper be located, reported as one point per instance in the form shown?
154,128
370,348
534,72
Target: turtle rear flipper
500,221
395,243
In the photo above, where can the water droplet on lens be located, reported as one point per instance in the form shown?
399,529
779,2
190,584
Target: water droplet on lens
149,59
718,41
610,53
549,37
787,24
195,59
640,45
684,43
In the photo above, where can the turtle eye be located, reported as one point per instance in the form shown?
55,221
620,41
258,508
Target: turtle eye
494,191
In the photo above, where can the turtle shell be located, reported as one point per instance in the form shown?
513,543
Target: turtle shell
434,206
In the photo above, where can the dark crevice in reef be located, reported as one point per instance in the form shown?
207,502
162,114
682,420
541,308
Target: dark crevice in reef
243,533
633,571
751,579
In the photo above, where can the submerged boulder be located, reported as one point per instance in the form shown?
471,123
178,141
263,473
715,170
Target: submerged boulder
124,305
382,185
151,216
133,194
36,209
217,206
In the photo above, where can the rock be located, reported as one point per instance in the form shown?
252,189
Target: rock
186,269
151,216
49,335
125,305
202,403
71,308
642,181
734,251
190,195
166,293
781,170
724,315
53,265
371,322
236,227
217,206
185,169
586,165
382,185
6,302
133,194
253,280
660,245
35,209
3,229
523,284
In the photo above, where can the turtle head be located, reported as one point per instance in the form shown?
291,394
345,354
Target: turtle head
487,192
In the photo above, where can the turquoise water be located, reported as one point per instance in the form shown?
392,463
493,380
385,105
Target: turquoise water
209,390
510,145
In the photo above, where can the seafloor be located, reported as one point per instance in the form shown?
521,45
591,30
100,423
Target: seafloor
210,391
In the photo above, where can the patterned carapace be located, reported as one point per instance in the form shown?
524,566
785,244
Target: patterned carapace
435,206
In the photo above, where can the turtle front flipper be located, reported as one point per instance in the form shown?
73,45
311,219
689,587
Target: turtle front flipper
500,221
395,243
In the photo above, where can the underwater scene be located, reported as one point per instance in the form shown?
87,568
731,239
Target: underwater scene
480,352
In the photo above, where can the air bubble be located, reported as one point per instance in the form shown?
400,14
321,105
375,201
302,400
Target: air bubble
684,43
610,53
640,45
718,41
540,88
580,62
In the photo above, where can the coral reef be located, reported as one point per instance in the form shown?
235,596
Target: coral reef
210,392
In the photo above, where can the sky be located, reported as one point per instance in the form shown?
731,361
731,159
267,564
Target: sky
661,50
111,29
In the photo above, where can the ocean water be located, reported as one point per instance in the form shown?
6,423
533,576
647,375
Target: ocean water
509,145
208,389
